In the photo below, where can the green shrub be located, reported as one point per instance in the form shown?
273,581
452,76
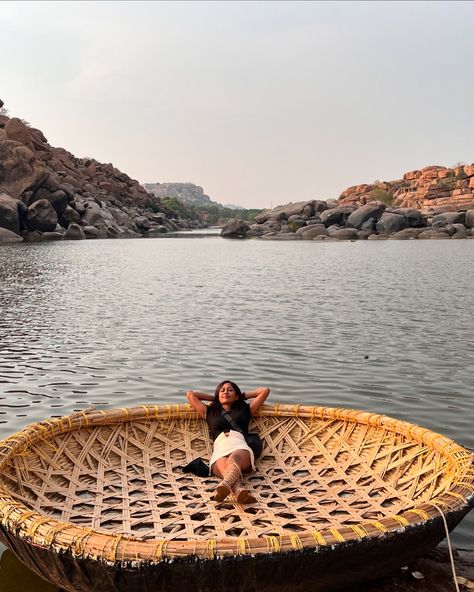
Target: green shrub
380,194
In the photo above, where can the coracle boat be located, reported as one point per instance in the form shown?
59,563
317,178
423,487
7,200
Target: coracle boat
98,501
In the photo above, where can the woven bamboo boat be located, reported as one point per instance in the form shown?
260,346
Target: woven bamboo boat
97,501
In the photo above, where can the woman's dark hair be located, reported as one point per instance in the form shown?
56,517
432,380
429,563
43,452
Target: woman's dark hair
216,406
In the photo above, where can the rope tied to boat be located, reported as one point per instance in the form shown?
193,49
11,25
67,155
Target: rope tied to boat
448,538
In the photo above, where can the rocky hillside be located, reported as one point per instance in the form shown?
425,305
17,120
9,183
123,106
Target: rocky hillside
432,189
48,193
186,193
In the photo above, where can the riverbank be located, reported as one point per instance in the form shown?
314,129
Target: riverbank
47,193
327,221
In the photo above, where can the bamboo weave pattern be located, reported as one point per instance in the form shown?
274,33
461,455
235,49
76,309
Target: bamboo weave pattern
322,472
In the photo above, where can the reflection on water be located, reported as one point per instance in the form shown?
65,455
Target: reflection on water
383,326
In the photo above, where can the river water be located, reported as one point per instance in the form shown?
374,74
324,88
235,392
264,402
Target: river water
385,326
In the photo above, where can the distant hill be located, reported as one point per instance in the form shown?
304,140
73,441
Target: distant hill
191,202
186,193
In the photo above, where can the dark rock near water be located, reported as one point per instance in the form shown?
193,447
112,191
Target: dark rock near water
74,232
368,213
235,229
414,217
7,236
42,216
337,215
52,236
450,218
93,232
309,232
10,213
407,234
390,223
469,223
344,234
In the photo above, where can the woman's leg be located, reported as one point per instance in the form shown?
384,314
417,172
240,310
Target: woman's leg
230,469
242,494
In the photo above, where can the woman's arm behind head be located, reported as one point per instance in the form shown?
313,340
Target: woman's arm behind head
196,399
258,396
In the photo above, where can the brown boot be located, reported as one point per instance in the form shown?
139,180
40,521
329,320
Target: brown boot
243,495
231,475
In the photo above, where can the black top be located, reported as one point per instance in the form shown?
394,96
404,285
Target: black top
218,423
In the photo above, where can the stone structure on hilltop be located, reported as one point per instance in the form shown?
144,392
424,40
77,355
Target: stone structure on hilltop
434,188
48,193
186,193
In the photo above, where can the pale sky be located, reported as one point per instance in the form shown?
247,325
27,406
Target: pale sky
260,103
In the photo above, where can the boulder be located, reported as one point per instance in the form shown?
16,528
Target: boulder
159,229
271,225
9,213
345,234
309,232
93,232
122,218
94,215
235,229
390,223
338,215
407,234
113,230
469,223
17,131
256,230
32,236
56,198
142,223
450,218
74,232
19,169
459,231
430,233
364,234
367,213
78,205
69,215
414,217
52,236
42,216
7,236
285,211
334,228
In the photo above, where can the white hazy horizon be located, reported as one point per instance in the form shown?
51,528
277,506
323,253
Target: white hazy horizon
260,103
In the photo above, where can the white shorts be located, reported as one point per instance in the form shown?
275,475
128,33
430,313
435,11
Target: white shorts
225,445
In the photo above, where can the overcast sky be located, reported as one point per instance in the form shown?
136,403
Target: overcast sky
260,103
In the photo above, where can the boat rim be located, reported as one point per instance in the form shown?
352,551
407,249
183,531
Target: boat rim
100,544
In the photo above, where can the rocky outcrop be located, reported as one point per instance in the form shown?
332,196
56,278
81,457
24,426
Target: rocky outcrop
44,189
429,190
374,221
235,229
186,193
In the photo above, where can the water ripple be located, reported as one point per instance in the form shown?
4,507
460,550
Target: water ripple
378,326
